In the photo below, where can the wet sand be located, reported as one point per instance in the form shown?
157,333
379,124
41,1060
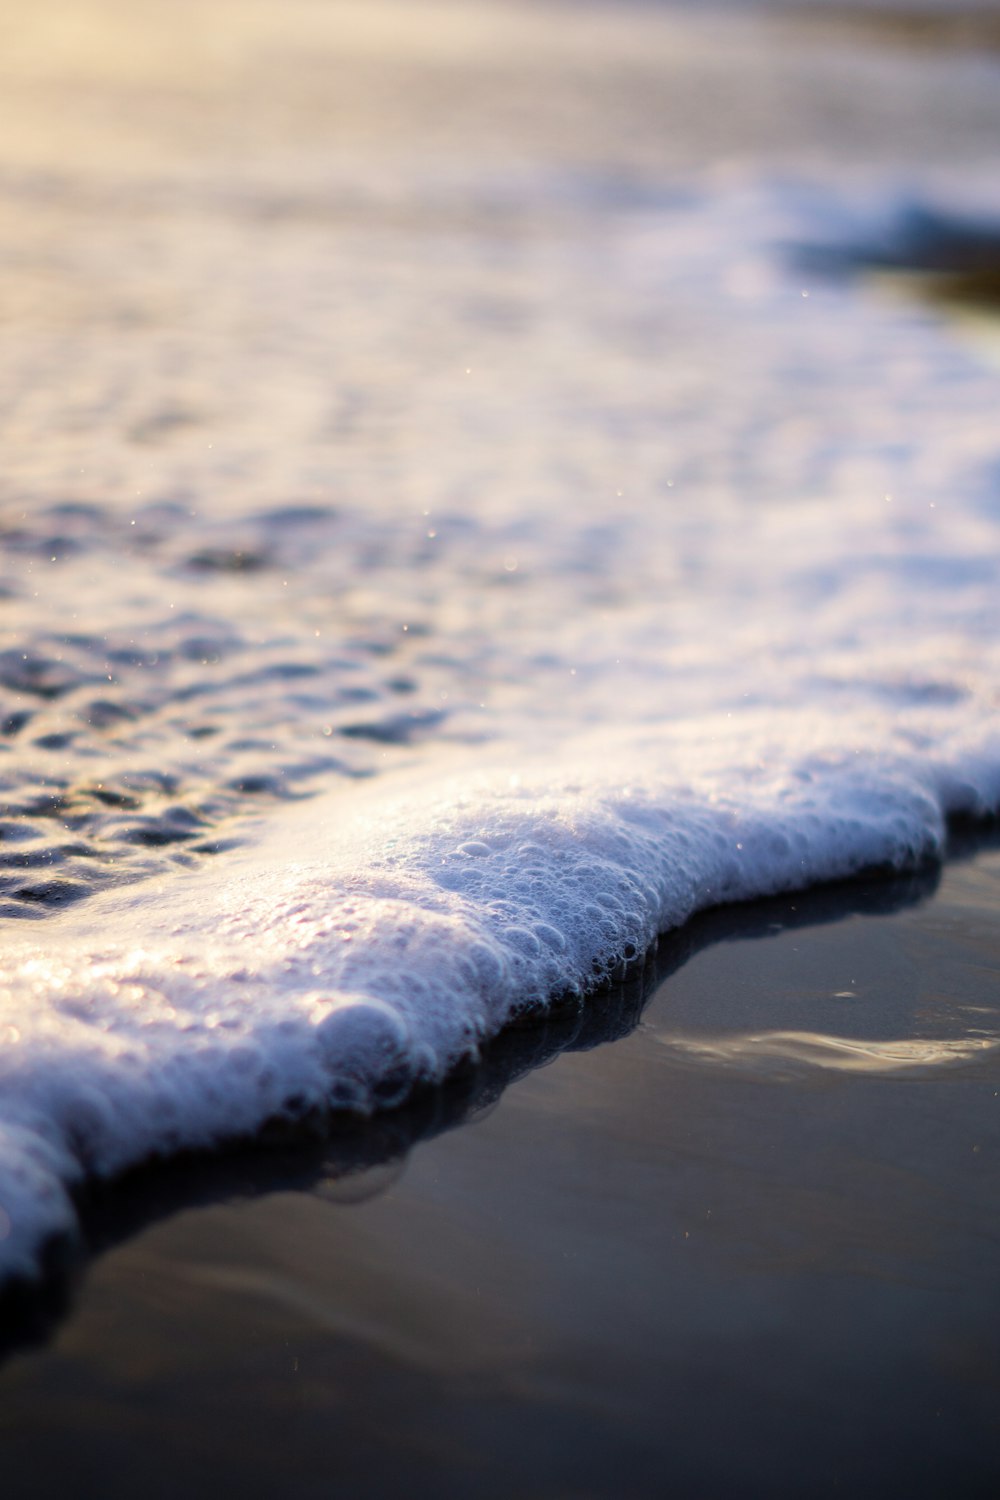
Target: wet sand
747,1248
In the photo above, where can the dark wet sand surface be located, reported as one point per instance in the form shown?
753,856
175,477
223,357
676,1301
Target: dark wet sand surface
749,1249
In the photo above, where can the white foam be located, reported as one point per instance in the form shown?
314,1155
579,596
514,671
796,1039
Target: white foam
370,943
706,557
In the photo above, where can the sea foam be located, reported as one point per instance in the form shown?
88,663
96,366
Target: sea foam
371,943
437,562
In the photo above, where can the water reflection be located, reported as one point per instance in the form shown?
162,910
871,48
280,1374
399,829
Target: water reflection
784,1053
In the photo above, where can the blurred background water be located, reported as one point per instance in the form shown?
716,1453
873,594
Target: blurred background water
376,375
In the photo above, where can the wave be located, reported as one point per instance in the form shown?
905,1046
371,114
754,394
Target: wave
369,945
614,570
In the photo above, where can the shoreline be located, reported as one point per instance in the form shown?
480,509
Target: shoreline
626,1254
291,1153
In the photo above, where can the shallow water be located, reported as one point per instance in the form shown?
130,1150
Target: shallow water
468,402
645,1269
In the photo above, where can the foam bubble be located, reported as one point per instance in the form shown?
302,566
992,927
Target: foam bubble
537,471
339,963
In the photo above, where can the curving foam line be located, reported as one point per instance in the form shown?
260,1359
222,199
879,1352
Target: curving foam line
355,953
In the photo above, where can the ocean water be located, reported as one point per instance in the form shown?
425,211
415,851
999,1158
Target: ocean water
480,485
